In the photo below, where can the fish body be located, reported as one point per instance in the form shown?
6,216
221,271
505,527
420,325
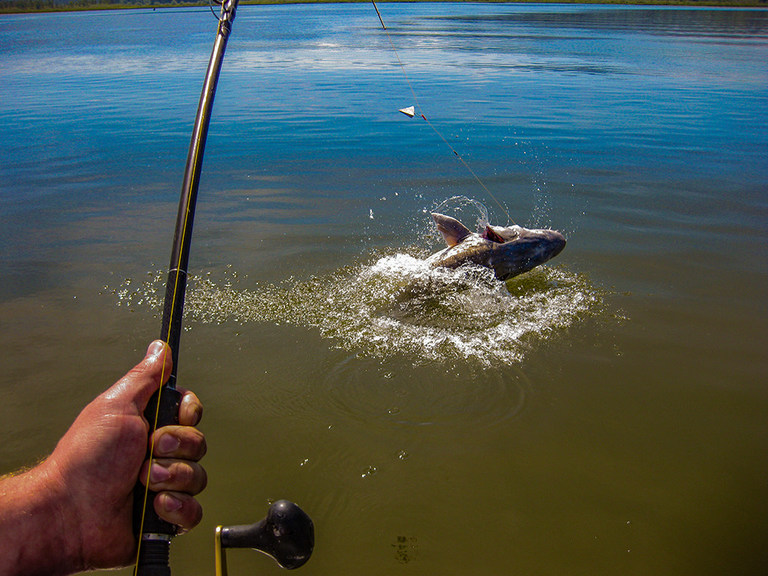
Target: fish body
507,250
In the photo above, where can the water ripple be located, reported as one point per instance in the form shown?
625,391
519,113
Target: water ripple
411,398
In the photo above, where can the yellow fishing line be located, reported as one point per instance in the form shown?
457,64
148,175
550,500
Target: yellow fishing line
149,468
152,450
159,397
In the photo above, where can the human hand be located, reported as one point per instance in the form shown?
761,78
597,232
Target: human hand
96,464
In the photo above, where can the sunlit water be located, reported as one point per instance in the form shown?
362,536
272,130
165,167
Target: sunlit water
605,413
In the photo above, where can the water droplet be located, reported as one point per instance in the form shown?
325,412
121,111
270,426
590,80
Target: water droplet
370,471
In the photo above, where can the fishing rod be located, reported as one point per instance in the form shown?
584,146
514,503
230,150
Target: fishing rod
287,533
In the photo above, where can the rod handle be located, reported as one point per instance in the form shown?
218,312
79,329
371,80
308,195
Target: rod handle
154,535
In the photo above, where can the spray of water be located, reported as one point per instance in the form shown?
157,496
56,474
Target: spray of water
397,304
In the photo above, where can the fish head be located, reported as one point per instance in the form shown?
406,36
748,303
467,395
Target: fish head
526,249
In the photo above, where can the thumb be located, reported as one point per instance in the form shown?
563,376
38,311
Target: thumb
141,381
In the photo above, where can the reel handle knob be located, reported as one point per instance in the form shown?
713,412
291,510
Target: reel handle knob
287,534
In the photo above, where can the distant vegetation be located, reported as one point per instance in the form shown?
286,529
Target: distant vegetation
7,6
10,6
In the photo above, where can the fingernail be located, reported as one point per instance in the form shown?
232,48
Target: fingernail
155,348
158,473
167,444
170,503
196,416
190,411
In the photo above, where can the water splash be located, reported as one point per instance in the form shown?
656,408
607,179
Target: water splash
397,304
468,211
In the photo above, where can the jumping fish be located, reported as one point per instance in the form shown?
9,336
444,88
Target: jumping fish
508,251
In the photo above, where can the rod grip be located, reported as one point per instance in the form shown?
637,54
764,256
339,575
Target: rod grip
154,534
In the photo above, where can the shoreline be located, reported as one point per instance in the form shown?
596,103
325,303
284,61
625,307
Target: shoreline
37,6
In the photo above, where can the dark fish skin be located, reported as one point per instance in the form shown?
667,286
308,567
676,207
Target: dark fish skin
509,251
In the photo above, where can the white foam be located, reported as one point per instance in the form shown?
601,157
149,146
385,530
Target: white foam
399,304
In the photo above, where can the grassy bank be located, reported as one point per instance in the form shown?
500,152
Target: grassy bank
25,6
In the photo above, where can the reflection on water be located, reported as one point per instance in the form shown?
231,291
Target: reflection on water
398,304
729,23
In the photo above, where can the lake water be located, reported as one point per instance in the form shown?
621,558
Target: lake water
604,414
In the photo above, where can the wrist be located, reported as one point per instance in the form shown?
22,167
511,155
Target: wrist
34,526
64,529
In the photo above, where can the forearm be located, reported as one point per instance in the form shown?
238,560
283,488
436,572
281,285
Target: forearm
33,535
74,511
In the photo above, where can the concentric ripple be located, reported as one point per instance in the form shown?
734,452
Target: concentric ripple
475,397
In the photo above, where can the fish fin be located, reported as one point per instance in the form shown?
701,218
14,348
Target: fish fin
491,234
452,230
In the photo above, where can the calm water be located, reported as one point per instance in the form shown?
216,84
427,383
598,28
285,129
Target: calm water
606,414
